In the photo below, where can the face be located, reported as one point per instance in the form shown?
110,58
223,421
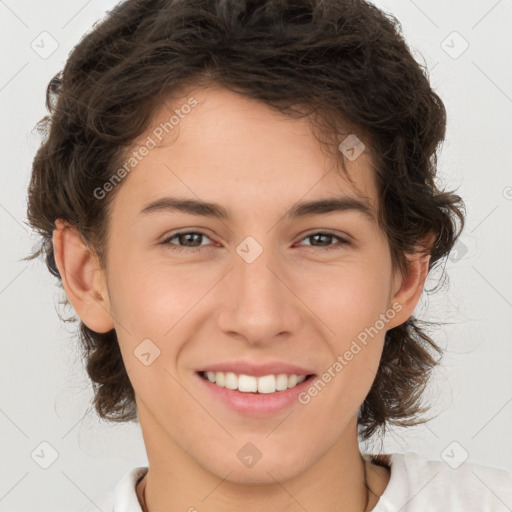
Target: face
188,290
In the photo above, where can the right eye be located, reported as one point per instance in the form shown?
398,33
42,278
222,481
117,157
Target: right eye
185,237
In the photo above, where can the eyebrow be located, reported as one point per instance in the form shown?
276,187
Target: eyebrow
299,210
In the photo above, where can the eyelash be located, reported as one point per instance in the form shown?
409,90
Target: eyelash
177,248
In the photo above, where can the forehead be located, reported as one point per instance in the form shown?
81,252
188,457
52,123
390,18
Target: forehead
227,143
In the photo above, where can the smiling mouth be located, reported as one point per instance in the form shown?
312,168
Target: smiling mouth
266,384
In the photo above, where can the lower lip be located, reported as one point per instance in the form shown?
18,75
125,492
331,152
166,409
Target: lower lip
256,404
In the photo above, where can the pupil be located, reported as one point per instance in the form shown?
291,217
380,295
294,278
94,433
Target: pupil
320,235
189,237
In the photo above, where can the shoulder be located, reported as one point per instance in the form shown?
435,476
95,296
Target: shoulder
418,484
123,497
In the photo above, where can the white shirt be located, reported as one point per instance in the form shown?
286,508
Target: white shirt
416,484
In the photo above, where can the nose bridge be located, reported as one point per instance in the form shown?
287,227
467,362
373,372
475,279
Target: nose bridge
253,271
260,306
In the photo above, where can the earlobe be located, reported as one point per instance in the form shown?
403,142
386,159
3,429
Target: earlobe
82,278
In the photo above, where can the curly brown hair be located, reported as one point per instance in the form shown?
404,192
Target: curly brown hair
340,63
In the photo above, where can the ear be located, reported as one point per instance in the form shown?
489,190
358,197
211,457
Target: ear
83,278
407,289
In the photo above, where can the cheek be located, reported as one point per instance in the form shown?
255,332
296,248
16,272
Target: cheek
353,302
354,306
350,297
149,297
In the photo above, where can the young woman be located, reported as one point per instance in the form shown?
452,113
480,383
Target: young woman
239,199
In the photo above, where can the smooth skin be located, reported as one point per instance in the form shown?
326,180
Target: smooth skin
297,302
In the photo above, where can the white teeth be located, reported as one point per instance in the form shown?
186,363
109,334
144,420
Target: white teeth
249,384
266,384
230,381
282,382
219,378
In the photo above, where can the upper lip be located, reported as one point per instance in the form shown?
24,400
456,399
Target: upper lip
246,367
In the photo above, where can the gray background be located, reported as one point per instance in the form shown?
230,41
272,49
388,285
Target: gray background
44,391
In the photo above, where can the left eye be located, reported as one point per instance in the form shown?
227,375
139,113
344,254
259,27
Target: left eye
327,235
195,236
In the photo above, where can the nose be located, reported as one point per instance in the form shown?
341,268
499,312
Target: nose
258,301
